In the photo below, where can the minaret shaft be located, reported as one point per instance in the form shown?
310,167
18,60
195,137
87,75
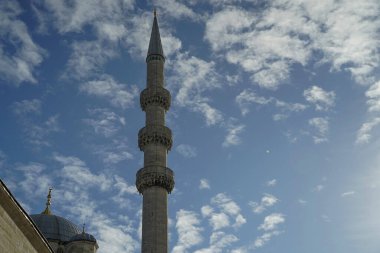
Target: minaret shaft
154,181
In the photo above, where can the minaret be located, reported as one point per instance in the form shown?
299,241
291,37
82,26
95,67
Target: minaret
154,181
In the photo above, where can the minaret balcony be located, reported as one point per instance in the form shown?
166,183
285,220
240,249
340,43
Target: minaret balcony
155,96
154,176
155,134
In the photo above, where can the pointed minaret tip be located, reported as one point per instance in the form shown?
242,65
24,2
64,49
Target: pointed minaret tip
48,202
155,45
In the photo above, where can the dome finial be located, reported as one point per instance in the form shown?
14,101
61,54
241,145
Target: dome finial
84,225
48,202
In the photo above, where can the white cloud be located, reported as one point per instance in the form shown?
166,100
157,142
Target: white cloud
264,238
302,201
228,209
105,122
195,76
321,126
272,221
35,179
373,95
204,184
364,134
114,151
267,200
189,231
87,58
319,188
233,130
322,99
175,9
347,194
17,64
32,106
107,87
76,171
218,242
248,96
272,182
287,33
186,151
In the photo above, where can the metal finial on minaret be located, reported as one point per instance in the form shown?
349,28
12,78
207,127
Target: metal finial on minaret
48,202
155,180
154,12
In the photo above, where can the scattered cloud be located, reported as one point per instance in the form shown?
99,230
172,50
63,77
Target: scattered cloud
345,33
186,150
189,231
24,107
104,121
108,88
272,221
233,130
218,242
272,182
321,125
17,64
204,184
248,96
319,188
267,200
195,76
348,194
364,134
322,99
302,201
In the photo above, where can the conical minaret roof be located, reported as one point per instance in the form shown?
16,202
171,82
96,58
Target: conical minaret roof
155,46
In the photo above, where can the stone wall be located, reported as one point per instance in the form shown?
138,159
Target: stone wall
18,233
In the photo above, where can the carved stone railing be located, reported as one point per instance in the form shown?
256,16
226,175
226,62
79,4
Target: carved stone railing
155,96
154,176
155,134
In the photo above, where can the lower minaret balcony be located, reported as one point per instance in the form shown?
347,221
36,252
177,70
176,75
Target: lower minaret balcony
155,96
154,176
155,134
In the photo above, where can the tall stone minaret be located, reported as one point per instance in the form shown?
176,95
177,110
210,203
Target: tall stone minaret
154,181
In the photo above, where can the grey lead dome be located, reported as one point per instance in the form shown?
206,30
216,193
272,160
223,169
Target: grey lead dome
55,227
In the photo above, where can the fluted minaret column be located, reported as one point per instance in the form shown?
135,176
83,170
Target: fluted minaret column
154,181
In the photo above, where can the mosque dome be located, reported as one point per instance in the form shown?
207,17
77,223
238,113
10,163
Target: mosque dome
83,237
55,227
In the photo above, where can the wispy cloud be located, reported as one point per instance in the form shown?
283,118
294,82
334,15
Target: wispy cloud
204,184
17,65
323,100
364,134
106,87
345,33
23,107
248,97
321,126
234,129
104,121
272,182
267,200
189,231
348,193
186,150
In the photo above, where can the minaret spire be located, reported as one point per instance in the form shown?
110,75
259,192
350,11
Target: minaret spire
155,45
155,180
48,203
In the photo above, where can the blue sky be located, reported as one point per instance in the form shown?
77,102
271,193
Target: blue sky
275,117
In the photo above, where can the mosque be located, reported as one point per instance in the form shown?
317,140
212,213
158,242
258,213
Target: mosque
49,233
